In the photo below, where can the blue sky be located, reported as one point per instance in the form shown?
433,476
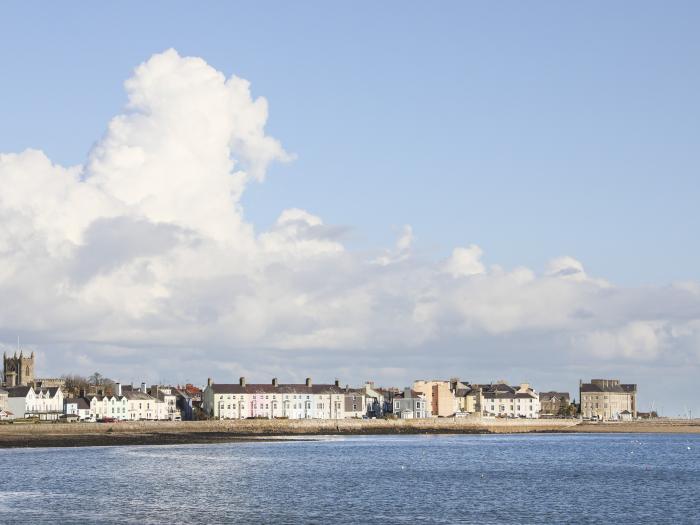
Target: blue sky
531,130
545,156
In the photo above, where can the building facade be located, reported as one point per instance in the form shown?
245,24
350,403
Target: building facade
269,401
78,407
554,404
439,395
28,402
607,400
502,400
468,398
411,404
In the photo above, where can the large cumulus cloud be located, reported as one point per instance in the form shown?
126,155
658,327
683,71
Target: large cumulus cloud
142,254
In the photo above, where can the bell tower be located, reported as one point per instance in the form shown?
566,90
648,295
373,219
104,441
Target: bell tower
18,370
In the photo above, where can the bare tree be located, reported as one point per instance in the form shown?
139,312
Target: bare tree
74,383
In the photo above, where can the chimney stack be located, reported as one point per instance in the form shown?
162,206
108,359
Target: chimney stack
337,382
275,383
308,382
118,389
241,381
208,381
143,388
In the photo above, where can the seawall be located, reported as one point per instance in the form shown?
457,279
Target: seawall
165,432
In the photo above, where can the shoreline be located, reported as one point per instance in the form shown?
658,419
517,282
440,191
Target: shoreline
212,432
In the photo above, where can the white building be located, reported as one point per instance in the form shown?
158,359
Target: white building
42,403
79,407
502,400
269,401
166,403
133,404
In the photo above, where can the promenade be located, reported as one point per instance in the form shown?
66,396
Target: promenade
162,433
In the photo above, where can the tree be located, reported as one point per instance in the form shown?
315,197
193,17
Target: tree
74,383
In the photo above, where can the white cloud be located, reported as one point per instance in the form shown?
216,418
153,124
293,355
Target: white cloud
145,247
465,261
401,251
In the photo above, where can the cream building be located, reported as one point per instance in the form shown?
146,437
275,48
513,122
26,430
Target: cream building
608,399
439,396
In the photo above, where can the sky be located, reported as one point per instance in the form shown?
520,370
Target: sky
364,191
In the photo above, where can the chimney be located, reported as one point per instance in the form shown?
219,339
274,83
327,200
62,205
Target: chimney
337,382
241,381
143,388
154,390
275,383
118,389
82,392
308,381
208,382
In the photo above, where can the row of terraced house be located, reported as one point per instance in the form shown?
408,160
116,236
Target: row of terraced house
434,398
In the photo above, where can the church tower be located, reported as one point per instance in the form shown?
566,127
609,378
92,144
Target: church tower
18,370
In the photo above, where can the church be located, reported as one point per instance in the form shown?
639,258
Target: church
18,370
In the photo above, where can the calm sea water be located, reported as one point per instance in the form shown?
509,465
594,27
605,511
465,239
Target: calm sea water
389,479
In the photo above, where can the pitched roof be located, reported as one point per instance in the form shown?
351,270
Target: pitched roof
80,401
18,391
548,396
236,388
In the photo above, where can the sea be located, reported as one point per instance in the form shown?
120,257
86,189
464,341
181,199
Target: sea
482,479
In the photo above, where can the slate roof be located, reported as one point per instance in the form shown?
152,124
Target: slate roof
414,394
609,387
82,403
136,394
548,396
503,391
236,388
18,391
21,391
